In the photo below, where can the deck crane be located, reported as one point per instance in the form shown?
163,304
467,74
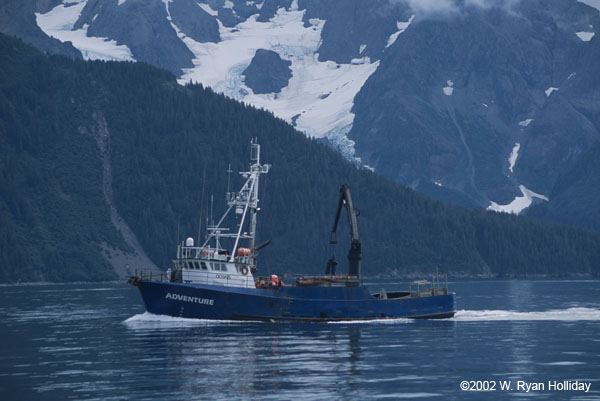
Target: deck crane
354,255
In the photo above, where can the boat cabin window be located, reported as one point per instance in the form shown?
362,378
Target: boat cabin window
196,266
218,267
203,265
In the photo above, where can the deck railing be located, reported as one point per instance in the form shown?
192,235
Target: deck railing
203,277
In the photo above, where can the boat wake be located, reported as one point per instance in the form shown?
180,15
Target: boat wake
570,314
150,320
373,321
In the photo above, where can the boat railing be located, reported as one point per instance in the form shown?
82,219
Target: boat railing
327,280
425,288
198,252
151,275
199,277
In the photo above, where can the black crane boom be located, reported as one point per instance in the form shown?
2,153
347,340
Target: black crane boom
354,256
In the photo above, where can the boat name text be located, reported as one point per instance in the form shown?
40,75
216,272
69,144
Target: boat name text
194,300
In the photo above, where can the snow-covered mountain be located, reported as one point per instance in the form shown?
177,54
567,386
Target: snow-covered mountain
480,102
221,39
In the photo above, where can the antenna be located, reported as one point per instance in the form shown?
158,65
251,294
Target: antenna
212,220
201,204
229,171
178,243
207,231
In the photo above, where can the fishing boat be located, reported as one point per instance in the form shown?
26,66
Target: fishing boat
208,281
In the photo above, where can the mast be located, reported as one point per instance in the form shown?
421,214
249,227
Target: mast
246,200
254,157
244,203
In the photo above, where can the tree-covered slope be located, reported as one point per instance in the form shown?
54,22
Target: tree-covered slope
53,216
163,139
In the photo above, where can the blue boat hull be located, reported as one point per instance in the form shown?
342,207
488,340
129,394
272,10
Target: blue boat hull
287,303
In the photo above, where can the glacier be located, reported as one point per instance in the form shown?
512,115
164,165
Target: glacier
59,23
318,98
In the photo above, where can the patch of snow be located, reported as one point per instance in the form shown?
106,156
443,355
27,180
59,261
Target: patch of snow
448,90
549,91
208,9
259,6
362,60
362,48
220,66
519,204
485,105
294,6
59,23
526,122
169,18
591,3
585,36
438,183
228,4
402,26
571,75
512,159
121,2
532,194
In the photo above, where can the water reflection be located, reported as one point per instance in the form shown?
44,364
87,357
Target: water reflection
523,343
255,358
266,360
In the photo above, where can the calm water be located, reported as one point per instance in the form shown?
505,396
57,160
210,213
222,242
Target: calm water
94,341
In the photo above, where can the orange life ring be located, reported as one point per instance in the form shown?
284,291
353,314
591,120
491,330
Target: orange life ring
244,270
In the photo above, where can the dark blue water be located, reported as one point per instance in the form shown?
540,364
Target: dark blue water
93,341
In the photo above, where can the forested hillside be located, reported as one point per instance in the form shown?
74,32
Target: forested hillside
57,116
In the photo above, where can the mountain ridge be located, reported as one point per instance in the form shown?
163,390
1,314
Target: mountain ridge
434,95
56,221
